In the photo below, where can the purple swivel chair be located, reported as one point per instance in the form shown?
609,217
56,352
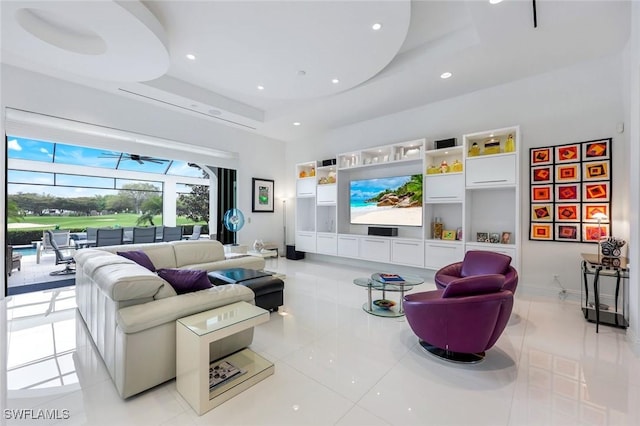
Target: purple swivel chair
479,262
462,321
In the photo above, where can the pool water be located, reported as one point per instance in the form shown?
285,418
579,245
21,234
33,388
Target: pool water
25,251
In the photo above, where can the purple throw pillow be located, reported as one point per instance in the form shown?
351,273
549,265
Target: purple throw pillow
185,280
139,257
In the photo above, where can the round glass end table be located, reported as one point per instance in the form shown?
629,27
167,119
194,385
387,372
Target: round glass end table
385,307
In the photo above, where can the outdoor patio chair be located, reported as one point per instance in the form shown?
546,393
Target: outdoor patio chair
109,237
14,260
197,230
144,235
68,260
172,233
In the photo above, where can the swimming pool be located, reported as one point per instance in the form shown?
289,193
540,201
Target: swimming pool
25,251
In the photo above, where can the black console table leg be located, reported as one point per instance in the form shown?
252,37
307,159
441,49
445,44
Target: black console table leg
596,295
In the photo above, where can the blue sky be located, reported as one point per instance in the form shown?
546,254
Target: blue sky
78,186
365,189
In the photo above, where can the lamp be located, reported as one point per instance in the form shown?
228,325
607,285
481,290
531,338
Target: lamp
599,217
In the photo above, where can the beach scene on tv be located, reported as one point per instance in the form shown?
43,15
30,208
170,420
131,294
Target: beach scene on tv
390,201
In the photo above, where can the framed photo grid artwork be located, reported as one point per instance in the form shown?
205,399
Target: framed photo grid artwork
570,185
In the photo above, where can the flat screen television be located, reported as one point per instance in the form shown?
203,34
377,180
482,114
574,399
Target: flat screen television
388,201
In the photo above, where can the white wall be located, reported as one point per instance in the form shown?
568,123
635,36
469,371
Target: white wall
580,103
632,112
259,156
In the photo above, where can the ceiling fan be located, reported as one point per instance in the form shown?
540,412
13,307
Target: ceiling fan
135,157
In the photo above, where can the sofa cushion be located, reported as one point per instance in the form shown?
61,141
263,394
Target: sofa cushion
139,257
161,254
185,280
165,291
127,281
197,252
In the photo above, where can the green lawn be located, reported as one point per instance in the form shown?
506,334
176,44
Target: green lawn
78,222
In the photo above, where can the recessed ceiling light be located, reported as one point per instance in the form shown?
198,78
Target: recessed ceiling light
376,26
191,56
260,87
296,123
495,1
335,81
445,75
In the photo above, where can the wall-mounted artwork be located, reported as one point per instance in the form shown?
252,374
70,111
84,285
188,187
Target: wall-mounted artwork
262,199
570,183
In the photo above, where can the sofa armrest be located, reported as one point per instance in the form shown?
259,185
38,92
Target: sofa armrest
133,319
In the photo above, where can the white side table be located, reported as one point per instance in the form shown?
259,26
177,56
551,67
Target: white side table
193,336
264,253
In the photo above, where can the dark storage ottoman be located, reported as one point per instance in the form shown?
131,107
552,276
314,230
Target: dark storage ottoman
268,290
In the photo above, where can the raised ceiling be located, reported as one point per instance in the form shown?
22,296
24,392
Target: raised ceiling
294,49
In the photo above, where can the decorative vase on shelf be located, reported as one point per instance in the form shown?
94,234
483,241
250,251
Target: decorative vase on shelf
258,245
510,145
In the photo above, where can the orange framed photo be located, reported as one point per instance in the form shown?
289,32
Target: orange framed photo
541,193
568,173
540,156
590,210
541,232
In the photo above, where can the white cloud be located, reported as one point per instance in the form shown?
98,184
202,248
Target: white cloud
14,145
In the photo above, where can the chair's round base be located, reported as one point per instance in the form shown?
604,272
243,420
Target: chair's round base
460,357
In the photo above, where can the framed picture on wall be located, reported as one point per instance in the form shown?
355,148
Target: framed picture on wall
262,196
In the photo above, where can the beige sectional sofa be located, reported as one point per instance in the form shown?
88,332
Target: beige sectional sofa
130,312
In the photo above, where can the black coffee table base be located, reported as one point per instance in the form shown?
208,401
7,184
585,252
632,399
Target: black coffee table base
268,290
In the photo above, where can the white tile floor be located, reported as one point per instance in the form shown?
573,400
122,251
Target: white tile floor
337,365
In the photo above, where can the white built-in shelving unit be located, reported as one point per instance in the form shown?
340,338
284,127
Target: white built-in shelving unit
471,188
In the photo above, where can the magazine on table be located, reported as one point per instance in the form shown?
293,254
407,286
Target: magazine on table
222,372
391,278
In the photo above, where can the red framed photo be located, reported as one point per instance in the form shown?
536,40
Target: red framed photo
596,191
541,174
542,212
567,212
567,232
568,153
568,193
593,232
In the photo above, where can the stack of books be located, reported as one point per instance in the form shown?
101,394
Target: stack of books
221,373
391,278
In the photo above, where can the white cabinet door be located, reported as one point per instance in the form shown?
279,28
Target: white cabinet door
491,170
327,194
348,245
306,241
306,187
443,188
437,255
507,249
407,252
375,249
327,243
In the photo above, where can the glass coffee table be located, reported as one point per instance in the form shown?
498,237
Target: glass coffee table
385,307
